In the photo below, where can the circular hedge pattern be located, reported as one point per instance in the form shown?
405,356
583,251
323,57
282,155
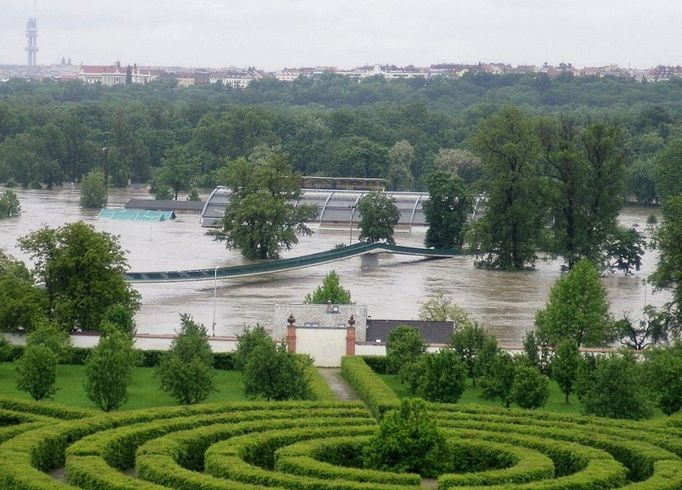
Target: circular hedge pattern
315,446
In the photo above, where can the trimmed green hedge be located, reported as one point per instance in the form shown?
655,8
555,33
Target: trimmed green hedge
148,358
370,387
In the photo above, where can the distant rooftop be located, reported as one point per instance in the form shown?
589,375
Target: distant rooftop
432,332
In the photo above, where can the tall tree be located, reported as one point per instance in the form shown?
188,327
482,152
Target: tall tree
82,270
446,211
508,232
577,309
565,365
262,217
379,215
401,156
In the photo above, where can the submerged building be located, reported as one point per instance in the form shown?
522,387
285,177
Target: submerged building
335,207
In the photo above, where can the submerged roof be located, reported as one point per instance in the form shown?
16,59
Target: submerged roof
334,206
432,332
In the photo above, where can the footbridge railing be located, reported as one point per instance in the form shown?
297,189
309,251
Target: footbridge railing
281,265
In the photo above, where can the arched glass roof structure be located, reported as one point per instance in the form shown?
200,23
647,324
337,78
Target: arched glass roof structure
334,206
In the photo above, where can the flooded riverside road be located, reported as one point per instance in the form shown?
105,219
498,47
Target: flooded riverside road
504,302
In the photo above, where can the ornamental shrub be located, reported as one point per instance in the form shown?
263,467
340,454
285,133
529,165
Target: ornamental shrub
37,371
186,371
664,372
530,388
565,366
108,369
616,388
408,441
247,342
443,377
274,374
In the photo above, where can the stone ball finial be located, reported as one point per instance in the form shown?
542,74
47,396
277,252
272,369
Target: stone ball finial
351,321
291,320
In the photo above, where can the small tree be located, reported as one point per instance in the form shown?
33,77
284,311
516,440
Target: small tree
247,342
499,378
565,366
664,372
470,341
530,388
616,389
186,371
109,368
408,441
577,309
274,374
443,377
9,205
93,190
330,291
404,346
37,371
379,215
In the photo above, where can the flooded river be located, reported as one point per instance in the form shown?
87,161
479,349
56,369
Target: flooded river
505,303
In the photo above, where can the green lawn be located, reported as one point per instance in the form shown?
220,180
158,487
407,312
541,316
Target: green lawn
472,395
144,391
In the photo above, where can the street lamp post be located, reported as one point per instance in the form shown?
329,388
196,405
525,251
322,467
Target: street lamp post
350,223
105,150
215,289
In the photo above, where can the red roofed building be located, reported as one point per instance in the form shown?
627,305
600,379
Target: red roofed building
115,74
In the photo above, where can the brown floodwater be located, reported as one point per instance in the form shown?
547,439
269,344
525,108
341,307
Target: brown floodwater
504,302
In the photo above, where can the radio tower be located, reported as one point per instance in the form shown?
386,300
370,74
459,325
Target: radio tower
32,40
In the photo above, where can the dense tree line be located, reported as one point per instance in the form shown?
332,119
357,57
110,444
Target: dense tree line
57,132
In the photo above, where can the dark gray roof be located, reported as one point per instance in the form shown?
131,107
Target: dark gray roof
431,332
165,205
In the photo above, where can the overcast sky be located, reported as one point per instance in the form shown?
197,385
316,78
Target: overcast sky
272,34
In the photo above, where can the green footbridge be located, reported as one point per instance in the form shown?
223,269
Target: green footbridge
282,265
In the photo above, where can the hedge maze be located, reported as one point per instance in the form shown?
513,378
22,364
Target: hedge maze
317,446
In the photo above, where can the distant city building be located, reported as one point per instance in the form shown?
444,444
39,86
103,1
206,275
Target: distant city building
116,74
32,40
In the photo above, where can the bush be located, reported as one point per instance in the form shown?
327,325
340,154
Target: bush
443,378
37,371
108,370
186,371
408,441
530,388
274,374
